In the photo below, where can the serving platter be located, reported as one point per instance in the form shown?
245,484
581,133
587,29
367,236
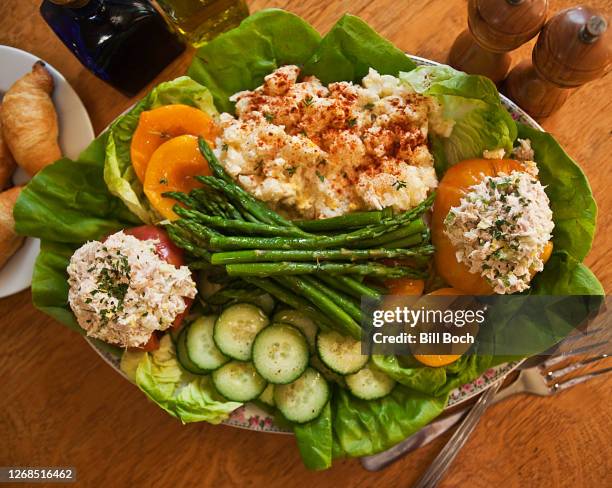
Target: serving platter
75,134
251,417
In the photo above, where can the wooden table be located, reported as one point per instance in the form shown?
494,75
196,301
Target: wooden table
61,405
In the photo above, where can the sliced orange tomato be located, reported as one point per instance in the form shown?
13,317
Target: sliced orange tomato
405,286
447,291
453,185
438,360
172,168
159,125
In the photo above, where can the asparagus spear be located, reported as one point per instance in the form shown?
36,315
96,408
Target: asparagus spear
356,219
414,227
293,268
272,255
177,235
237,225
339,299
350,286
254,206
339,317
291,299
408,241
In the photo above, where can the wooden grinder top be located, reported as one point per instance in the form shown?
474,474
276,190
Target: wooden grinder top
574,47
503,25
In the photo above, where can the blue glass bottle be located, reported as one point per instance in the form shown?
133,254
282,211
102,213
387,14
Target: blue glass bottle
124,42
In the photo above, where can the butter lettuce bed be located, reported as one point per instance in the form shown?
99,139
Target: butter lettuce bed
71,202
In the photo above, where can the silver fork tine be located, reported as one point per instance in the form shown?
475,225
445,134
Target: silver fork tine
552,375
579,379
574,352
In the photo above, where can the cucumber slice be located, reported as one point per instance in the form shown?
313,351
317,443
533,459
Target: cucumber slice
201,347
238,381
280,353
183,357
341,354
299,320
236,328
265,302
304,399
327,373
267,396
369,383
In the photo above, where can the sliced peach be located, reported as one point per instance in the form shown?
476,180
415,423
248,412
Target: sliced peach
172,168
457,180
162,124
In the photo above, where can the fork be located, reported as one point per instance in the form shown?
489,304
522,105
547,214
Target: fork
535,380
532,379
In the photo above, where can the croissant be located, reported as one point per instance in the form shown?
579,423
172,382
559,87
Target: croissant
29,121
9,240
7,163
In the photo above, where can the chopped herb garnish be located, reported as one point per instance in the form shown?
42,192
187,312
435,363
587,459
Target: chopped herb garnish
308,101
269,117
399,184
224,147
352,122
368,106
291,170
162,181
320,176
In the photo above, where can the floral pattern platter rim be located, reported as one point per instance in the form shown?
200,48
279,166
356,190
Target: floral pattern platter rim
252,417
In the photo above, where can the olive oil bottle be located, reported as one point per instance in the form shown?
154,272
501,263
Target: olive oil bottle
198,21
124,42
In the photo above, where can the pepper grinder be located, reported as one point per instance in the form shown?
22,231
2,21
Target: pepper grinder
496,27
574,47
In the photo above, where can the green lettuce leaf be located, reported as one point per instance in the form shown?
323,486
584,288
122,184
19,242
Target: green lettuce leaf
239,59
188,397
481,121
315,440
65,205
571,200
364,427
50,282
119,174
350,49
415,376
565,275
69,202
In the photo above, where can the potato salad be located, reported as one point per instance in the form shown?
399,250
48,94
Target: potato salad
316,151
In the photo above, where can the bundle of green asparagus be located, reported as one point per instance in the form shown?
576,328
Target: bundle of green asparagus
317,266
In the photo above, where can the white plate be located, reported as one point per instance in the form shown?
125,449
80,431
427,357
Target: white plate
75,133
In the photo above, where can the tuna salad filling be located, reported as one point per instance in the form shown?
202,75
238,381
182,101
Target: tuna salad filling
315,151
500,229
121,291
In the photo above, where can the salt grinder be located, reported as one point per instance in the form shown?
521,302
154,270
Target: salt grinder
496,27
574,47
